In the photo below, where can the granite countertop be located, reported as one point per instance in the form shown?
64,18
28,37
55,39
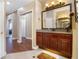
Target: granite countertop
49,31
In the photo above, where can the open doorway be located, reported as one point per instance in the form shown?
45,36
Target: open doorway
19,27
26,25
9,27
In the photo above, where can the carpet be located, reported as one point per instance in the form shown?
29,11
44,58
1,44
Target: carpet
45,56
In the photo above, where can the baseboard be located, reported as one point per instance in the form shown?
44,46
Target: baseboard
19,41
28,38
14,38
3,55
36,47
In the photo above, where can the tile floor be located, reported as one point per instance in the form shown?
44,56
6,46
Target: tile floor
30,54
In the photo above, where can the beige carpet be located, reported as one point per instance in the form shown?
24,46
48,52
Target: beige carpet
45,56
30,55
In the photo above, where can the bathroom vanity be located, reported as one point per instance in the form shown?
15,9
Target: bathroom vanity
58,41
56,32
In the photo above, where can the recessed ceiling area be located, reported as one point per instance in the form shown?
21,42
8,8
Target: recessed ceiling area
13,5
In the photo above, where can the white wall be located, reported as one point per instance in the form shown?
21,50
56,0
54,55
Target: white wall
26,25
38,9
29,26
15,25
2,29
36,22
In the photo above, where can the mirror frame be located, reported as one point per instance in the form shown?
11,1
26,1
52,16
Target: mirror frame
57,8
75,6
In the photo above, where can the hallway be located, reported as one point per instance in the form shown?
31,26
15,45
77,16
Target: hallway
12,46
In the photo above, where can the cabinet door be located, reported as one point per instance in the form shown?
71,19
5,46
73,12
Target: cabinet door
65,45
39,39
59,45
46,40
53,42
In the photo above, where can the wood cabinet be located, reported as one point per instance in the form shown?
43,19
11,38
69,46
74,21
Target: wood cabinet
46,39
65,44
56,41
39,39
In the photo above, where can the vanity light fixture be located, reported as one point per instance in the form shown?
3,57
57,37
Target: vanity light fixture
47,5
60,0
21,8
52,3
63,18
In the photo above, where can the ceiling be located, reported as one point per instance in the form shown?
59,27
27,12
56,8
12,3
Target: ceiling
16,4
13,5
49,1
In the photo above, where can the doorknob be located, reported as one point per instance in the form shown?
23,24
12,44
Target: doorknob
1,33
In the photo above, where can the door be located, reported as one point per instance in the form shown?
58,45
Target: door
2,33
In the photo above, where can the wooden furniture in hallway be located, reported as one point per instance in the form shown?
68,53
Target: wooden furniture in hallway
12,46
59,42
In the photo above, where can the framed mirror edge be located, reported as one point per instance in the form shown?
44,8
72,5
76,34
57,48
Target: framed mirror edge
60,7
75,6
70,4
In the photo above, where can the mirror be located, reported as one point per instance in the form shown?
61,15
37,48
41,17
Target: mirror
76,10
57,18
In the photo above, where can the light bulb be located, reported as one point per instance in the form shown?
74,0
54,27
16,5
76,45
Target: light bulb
8,3
53,3
60,0
47,5
21,8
